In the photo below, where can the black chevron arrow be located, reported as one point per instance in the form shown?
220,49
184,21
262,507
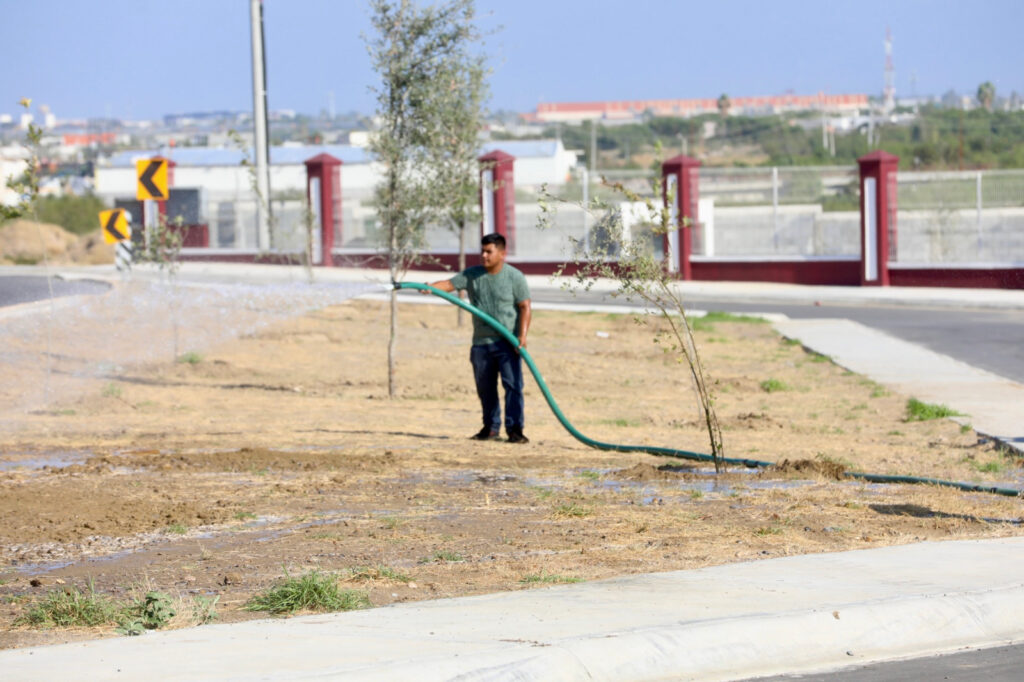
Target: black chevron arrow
111,226
147,179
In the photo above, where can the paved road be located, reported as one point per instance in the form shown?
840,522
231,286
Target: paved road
999,664
16,289
988,339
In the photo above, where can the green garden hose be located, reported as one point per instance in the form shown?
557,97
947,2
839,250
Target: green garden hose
671,452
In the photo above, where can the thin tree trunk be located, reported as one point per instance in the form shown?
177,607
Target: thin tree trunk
462,265
391,343
393,257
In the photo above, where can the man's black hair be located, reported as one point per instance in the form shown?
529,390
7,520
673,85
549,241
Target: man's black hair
493,238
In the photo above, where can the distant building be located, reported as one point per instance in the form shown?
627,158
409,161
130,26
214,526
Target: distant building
222,185
88,139
13,162
574,112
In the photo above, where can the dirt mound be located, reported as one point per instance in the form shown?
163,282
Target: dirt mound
818,467
26,242
90,249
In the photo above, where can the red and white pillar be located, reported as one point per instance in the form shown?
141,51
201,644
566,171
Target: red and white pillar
680,176
323,192
498,196
877,216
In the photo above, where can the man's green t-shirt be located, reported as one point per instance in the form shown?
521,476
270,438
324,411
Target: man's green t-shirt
497,295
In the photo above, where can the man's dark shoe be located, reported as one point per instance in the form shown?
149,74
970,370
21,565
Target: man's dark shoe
485,434
517,436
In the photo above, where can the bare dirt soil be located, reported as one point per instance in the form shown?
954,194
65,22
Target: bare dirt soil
280,451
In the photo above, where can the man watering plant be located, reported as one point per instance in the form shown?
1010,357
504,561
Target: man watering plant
500,290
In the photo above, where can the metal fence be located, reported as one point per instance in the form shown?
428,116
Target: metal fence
551,222
960,217
779,212
360,231
942,217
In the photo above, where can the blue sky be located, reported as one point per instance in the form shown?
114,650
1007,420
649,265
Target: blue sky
144,58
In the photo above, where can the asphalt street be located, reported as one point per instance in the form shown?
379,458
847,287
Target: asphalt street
988,339
15,289
998,664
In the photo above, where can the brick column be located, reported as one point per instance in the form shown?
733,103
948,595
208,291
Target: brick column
323,192
680,175
498,196
877,216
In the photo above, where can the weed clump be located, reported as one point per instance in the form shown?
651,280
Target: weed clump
70,607
571,510
918,411
442,556
773,385
544,578
314,591
153,611
370,573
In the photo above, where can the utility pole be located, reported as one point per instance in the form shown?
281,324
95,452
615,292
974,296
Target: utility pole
824,132
960,155
890,89
593,145
259,117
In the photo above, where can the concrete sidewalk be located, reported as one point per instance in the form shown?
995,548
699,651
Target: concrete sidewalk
991,404
791,614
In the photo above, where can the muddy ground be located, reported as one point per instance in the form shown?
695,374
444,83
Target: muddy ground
280,451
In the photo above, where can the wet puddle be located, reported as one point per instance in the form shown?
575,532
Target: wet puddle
37,461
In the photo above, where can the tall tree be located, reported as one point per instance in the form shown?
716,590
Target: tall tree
987,94
412,49
724,104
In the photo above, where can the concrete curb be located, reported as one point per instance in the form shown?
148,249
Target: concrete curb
791,614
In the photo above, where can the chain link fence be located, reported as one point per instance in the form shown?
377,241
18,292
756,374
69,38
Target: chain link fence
812,212
779,212
551,221
960,217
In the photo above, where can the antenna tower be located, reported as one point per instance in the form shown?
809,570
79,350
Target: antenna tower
890,87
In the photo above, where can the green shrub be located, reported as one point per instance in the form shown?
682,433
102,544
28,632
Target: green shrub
918,411
70,607
773,385
153,611
314,591
78,215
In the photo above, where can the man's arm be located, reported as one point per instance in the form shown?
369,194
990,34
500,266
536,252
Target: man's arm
525,313
443,285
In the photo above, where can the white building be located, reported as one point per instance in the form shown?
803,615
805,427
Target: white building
227,202
13,162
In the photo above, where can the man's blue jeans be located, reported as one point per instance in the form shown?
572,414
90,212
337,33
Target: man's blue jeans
490,361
